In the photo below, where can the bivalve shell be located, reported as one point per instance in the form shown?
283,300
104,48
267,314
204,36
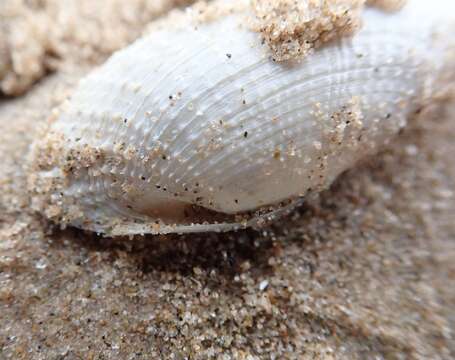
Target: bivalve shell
198,129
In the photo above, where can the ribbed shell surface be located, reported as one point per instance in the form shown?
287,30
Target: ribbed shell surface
203,116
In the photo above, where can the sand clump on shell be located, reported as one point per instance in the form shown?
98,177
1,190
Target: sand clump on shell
293,29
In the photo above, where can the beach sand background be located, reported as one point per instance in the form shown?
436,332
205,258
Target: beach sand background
365,271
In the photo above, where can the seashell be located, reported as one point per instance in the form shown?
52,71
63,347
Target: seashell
197,129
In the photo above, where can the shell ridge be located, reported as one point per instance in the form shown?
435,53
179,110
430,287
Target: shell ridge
190,123
344,100
238,151
202,96
130,132
125,55
233,175
234,136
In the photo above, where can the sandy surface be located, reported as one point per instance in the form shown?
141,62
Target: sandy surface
39,36
366,271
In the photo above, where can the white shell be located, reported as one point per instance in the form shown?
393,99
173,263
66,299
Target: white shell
204,117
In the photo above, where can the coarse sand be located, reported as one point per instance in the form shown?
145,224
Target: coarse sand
38,36
365,271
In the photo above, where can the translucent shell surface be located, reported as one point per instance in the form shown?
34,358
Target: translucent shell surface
198,129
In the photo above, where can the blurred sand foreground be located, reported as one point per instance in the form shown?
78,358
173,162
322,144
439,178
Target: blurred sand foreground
367,271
